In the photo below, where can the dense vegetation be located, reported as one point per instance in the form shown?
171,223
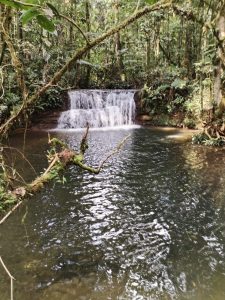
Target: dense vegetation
172,50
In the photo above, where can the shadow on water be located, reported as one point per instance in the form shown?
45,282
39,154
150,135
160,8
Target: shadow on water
149,226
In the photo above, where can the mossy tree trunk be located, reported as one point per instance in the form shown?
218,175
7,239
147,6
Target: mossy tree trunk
220,66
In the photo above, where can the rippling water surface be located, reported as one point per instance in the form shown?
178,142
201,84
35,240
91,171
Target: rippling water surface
151,225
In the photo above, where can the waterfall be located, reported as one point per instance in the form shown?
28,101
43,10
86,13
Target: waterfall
98,108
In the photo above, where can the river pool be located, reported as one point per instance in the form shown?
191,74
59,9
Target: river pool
151,225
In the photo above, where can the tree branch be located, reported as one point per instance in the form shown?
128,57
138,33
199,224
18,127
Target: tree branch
17,64
75,25
59,160
167,56
10,276
20,3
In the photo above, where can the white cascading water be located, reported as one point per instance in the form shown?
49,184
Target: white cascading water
98,108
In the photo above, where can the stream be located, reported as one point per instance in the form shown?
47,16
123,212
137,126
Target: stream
151,225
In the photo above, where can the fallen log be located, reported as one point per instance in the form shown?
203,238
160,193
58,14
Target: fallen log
59,157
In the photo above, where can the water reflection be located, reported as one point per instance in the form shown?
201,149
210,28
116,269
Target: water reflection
152,226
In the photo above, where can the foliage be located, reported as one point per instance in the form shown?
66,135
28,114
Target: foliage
203,139
6,198
165,95
52,100
215,142
199,138
36,9
179,84
151,1
189,122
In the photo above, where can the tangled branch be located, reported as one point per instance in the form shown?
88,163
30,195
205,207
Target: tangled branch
59,157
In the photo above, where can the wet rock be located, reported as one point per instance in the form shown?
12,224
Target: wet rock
144,118
138,102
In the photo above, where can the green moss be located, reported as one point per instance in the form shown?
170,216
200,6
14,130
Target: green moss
190,122
78,158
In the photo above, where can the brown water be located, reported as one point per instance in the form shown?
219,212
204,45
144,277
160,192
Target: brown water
151,225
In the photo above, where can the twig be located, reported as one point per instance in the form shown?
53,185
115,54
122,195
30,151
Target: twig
51,165
7,271
10,212
137,7
83,144
115,151
97,170
75,25
23,156
77,159
16,173
10,276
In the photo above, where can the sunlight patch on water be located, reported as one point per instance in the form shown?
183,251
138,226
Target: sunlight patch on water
180,134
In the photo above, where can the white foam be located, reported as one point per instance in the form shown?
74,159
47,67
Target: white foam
109,128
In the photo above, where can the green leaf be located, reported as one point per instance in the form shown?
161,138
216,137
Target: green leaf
29,15
32,2
151,1
12,4
45,23
179,84
54,10
19,5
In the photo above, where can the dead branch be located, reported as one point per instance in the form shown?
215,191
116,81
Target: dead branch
83,144
10,212
10,276
115,151
21,154
59,160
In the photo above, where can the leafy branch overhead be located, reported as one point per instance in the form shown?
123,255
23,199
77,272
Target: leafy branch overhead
43,12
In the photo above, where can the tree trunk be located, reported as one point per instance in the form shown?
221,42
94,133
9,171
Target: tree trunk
219,68
187,63
148,53
118,47
5,20
88,24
